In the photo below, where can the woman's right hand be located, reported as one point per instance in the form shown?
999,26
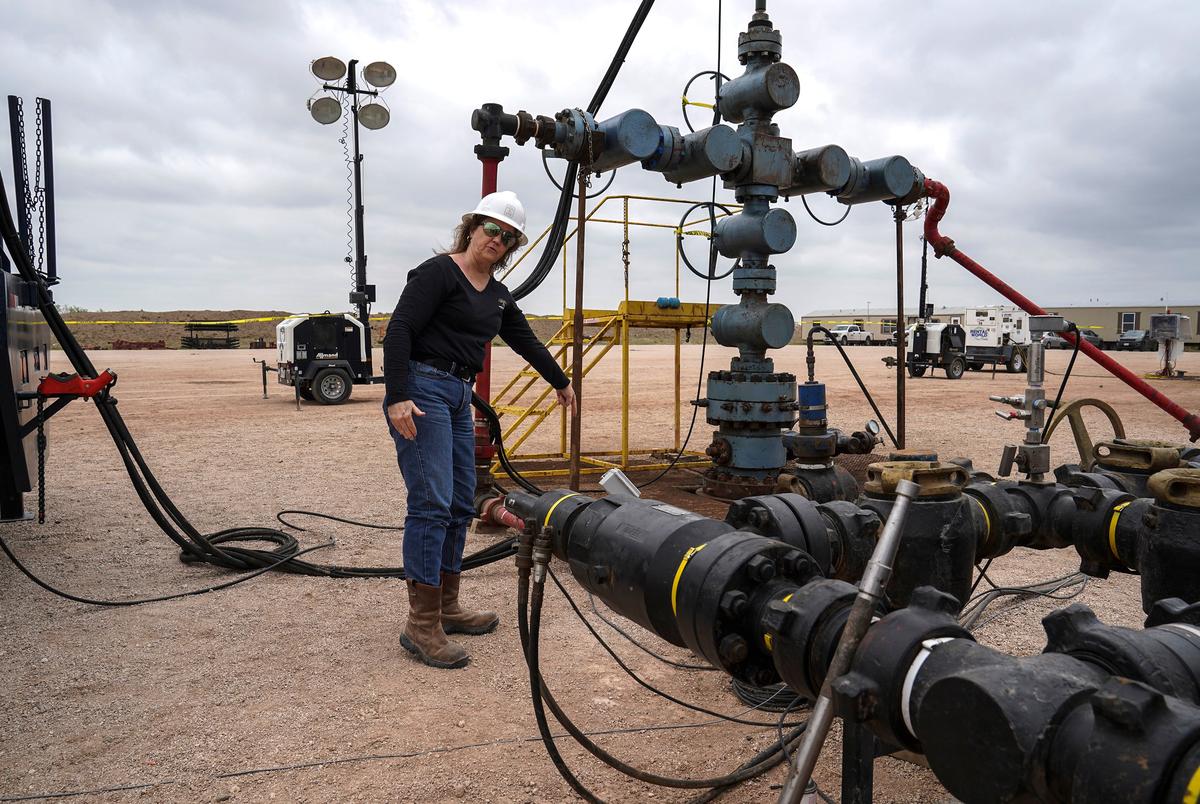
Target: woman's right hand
400,414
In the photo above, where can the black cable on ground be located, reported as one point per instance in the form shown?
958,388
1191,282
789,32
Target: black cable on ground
774,698
318,514
223,548
629,638
139,601
630,672
970,617
529,619
829,336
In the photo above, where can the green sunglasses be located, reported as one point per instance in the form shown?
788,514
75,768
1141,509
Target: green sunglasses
492,229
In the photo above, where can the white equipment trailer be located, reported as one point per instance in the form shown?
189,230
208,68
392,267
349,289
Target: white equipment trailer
996,336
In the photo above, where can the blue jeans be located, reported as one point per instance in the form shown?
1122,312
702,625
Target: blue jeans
439,471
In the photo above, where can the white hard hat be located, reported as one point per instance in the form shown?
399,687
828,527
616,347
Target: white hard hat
502,206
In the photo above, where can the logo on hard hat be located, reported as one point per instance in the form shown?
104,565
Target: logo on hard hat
510,210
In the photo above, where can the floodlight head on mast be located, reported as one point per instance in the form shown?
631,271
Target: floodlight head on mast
379,74
329,68
374,115
325,110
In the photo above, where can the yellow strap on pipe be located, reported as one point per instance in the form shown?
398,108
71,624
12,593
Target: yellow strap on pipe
1112,531
557,503
679,574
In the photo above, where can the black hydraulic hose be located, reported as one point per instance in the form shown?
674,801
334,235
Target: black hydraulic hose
614,66
1066,376
530,623
812,359
558,228
529,630
641,681
216,548
496,434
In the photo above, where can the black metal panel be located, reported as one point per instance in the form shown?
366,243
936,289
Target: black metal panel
24,360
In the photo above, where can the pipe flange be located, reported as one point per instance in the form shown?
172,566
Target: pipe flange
1176,487
935,479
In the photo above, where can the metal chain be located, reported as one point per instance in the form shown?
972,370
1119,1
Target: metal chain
39,188
625,245
27,216
41,459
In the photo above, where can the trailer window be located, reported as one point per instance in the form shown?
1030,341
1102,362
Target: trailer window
1128,321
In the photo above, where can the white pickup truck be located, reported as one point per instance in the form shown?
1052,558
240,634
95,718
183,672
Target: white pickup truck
851,333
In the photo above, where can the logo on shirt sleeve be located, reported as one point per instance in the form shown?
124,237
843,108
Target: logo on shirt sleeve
502,304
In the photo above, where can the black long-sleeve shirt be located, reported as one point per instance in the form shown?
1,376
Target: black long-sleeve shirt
441,315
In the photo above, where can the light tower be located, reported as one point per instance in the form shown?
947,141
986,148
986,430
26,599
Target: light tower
326,108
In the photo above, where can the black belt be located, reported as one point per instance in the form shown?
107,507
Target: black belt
464,373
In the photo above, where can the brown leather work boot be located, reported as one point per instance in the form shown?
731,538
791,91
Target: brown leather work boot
423,634
456,619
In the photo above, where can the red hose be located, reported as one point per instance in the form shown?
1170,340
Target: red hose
944,246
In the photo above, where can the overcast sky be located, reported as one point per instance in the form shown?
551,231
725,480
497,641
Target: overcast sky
190,174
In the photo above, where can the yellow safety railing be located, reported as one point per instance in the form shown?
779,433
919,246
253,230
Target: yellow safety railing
530,403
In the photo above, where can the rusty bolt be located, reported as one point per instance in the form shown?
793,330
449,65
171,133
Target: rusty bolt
733,649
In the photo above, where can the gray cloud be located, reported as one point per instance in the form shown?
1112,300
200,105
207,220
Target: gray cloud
190,174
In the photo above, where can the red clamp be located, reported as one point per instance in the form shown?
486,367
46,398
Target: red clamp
73,385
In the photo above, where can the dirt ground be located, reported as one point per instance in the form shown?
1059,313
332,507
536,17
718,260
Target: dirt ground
295,689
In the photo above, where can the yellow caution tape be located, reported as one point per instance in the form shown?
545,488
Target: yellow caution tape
687,102
258,320
232,321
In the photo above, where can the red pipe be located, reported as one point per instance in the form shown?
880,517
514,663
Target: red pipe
944,246
495,513
484,451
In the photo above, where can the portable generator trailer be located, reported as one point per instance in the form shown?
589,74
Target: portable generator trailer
996,336
933,346
324,355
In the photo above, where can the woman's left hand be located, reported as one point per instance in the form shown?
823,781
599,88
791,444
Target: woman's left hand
566,398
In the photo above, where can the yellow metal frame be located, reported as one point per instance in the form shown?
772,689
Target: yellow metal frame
530,408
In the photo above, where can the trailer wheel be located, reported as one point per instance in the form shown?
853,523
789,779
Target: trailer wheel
1016,363
331,386
955,368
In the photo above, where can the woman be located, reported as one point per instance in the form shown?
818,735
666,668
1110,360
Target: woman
450,309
